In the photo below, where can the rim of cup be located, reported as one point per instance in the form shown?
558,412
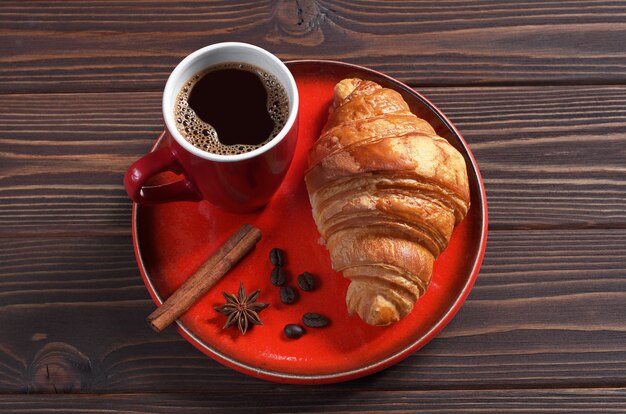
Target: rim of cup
175,81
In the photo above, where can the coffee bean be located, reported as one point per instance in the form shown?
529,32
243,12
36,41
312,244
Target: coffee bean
276,257
288,295
306,281
293,331
314,320
277,277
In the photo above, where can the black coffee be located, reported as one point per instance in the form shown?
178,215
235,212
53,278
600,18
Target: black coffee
231,108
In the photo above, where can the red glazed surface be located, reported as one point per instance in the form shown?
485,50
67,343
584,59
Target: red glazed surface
173,239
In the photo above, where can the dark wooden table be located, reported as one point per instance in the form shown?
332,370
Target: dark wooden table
537,88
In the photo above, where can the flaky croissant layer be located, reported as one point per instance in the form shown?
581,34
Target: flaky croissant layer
386,193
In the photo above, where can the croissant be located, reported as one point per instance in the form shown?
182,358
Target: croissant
386,193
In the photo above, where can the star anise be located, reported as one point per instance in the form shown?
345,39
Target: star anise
242,309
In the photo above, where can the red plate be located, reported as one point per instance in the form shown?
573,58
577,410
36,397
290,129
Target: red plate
172,240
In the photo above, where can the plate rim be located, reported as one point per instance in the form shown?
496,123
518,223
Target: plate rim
371,368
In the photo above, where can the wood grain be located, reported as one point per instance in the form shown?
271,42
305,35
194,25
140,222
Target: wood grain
547,311
129,45
550,156
63,158
281,401
537,89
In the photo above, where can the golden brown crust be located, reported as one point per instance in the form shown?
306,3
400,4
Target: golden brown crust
386,193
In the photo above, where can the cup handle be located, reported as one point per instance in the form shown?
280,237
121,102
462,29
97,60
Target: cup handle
148,166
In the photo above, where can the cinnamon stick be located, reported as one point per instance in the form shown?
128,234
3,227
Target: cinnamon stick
224,258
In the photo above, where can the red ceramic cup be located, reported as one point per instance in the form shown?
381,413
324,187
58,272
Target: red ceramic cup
238,183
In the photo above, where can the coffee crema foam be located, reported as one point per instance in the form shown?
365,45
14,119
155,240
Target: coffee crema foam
202,135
